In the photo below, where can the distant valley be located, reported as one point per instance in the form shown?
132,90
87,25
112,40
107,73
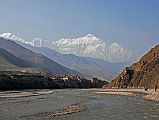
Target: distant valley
87,66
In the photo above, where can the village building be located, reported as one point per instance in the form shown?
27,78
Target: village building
94,80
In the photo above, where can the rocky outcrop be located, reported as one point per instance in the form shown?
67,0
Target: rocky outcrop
144,73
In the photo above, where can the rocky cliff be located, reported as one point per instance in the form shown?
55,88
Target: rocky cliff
144,73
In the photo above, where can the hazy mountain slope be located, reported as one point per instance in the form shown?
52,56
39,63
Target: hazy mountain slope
5,65
37,60
117,67
9,62
90,66
86,65
13,59
144,73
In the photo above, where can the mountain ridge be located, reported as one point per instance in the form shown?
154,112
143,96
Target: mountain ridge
85,46
91,46
89,65
36,59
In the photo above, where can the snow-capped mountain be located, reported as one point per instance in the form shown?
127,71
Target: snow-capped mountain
87,46
37,42
91,46
86,65
11,36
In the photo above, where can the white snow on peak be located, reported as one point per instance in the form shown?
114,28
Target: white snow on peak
37,42
91,46
90,36
87,46
11,36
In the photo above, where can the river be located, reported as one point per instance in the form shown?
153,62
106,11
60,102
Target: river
98,107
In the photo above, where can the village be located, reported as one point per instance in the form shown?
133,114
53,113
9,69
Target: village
21,80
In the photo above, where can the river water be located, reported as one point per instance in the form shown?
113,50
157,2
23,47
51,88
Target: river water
99,107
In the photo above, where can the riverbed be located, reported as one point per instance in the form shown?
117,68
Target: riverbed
97,106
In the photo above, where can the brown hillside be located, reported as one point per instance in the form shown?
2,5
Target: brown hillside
144,73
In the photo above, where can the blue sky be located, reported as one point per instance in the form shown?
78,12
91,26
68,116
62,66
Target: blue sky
132,23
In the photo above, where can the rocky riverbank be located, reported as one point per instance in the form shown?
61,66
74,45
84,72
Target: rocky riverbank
116,93
150,95
74,108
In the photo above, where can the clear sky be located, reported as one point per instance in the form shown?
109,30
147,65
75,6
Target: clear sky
132,23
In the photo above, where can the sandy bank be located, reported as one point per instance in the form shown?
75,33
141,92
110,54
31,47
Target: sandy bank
152,96
16,94
148,95
116,93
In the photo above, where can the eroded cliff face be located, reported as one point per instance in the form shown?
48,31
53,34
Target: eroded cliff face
144,73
